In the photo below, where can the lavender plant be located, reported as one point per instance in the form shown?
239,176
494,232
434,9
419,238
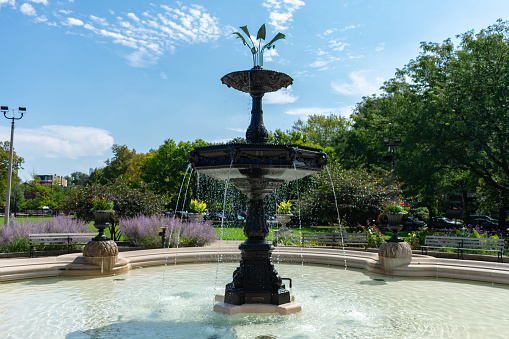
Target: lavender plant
144,231
14,236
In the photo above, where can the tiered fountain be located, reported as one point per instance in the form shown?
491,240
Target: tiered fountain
256,168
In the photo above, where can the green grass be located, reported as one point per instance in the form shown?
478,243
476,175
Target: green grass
237,233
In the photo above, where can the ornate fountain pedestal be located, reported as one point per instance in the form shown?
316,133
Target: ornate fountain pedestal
256,169
101,250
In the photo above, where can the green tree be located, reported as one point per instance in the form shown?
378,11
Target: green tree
358,192
326,131
164,169
76,178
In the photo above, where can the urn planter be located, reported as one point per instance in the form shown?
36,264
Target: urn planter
101,222
283,219
395,225
196,216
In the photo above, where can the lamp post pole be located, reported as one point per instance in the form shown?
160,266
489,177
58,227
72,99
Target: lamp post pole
5,110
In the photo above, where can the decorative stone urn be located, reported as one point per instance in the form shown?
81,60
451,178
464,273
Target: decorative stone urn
196,216
101,250
283,219
395,225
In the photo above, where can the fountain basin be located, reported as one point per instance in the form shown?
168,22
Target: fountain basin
175,301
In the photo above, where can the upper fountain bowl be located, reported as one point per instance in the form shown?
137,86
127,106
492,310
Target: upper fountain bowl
257,80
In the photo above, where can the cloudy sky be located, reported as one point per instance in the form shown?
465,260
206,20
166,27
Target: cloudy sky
135,73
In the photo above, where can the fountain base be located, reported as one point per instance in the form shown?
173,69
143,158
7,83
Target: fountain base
283,309
256,281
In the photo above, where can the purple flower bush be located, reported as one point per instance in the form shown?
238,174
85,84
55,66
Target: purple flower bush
144,231
14,236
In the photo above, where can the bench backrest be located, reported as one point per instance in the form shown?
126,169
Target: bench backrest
60,237
465,242
335,238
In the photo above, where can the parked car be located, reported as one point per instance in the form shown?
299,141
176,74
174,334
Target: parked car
484,223
443,222
483,217
409,221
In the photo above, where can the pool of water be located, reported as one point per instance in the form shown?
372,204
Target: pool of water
176,302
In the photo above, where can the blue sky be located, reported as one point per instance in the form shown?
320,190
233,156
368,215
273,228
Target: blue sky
93,73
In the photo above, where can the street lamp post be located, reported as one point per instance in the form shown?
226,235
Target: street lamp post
391,143
5,110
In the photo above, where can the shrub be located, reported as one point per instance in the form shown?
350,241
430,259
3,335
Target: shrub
14,236
287,238
128,202
144,231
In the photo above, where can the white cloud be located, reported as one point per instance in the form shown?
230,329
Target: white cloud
74,22
380,47
57,141
27,9
133,17
163,75
359,85
268,55
281,12
348,28
162,30
283,96
7,2
44,2
305,112
235,129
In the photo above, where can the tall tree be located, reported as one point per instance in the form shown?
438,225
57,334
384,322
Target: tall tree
163,169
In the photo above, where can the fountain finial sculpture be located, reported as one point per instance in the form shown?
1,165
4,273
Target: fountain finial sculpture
256,169
258,51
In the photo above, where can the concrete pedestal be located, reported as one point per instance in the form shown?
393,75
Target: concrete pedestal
394,254
102,253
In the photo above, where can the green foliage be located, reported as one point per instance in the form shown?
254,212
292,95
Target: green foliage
287,238
163,170
375,237
125,165
417,239
395,206
128,202
359,194
99,203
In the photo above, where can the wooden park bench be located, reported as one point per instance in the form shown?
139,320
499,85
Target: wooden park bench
58,239
461,244
335,239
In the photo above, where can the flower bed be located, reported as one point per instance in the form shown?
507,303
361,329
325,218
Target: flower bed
144,231
14,236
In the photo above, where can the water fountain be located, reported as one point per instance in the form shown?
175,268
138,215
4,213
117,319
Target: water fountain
256,168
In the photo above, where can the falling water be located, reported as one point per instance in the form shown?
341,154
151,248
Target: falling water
187,189
341,229
300,220
180,191
220,250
